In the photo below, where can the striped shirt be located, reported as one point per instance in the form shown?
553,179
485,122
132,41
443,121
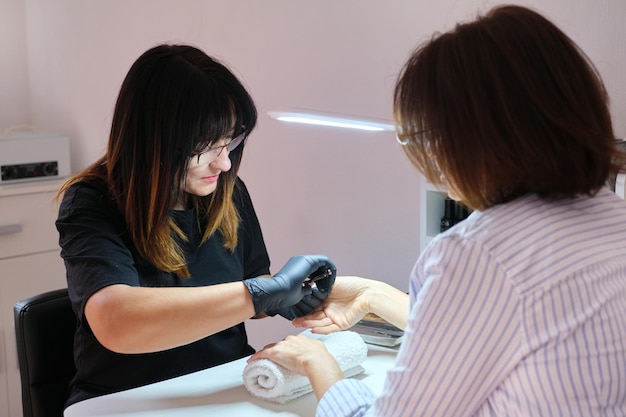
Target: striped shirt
520,310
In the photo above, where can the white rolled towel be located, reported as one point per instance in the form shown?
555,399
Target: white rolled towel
268,380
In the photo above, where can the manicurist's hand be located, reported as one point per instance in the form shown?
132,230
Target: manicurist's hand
287,287
304,356
314,300
351,299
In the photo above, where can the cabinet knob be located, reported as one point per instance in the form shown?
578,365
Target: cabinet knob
7,229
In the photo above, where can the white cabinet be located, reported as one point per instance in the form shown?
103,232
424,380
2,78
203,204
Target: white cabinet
29,264
431,210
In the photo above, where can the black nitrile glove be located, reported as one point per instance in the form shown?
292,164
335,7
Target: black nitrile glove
310,302
307,305
286,288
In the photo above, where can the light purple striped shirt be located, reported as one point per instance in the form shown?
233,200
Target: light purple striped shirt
520,310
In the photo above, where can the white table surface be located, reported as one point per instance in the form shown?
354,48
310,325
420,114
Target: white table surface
217,391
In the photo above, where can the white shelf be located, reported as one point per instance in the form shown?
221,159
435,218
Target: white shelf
431,210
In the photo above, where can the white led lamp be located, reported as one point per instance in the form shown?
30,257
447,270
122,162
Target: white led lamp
326,119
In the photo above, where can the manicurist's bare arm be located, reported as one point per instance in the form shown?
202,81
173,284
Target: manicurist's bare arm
129,319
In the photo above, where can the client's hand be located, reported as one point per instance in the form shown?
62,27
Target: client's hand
304,356
351,299
296,353
347,303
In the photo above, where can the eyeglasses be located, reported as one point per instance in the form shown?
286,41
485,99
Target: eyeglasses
211,153
404,138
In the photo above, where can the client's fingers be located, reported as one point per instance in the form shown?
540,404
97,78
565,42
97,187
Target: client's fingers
309,318
318,322
309,323
315,315
325,329
260,354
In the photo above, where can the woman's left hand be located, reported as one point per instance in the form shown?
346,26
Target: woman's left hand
304,356
296,353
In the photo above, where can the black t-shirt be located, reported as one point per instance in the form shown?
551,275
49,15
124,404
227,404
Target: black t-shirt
98,252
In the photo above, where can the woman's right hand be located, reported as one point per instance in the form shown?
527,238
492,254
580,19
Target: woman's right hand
351,299
347,303
287,287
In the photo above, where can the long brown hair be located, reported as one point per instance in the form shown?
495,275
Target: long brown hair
175,99
503,106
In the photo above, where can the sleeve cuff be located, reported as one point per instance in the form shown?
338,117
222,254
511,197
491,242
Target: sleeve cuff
348,397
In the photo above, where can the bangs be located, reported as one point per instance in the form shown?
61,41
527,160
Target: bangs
220,114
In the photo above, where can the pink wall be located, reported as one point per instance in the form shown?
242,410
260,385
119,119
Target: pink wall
350,195
13,75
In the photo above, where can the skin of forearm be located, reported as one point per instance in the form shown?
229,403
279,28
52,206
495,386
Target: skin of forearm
323,377
129,319
389,303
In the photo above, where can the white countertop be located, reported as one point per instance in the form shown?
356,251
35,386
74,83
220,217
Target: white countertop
217,391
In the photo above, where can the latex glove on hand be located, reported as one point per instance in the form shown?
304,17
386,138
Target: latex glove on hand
323,280
287,294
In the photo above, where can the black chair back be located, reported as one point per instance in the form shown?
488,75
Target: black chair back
44,327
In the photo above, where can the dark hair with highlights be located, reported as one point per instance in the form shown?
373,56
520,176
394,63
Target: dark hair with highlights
504,106
175,99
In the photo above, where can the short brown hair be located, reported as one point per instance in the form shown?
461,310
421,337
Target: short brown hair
503,106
